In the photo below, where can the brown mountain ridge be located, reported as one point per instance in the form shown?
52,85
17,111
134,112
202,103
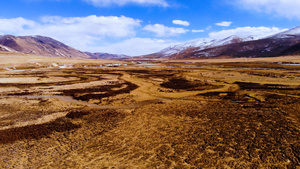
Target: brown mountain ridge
40,45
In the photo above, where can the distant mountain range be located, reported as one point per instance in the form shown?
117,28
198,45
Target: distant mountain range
284,43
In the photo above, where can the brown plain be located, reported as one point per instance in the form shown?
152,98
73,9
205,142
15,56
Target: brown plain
216,113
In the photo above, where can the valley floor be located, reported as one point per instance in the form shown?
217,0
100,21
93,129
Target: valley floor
230,113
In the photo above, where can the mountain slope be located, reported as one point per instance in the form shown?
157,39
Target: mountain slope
288,34
40,45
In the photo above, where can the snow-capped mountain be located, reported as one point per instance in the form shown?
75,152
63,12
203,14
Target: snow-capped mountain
288,34
284,43
180,47
205,43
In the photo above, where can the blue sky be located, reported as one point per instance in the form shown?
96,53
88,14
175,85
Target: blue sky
136,27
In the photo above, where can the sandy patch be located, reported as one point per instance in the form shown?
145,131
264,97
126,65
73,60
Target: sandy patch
44,119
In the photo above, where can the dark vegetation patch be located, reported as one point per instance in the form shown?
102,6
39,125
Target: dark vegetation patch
248,85
96,122
160,75
270,66
273,75
30,74
183,84
22,93
93,122
139,71
280,100
108,118
81,71
77,114
234,96
144,71
215,93
87,93
146,74
36,131
130,87
105,88
178,83
274,96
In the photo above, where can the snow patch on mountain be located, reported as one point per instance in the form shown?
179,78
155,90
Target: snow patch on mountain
205,43
288,33
6,48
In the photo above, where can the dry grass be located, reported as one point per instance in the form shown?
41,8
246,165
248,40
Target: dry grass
209,114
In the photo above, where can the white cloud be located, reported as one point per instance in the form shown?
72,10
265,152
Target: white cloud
208,28
11,26
197,31
284,8
102,3
164,31
78,32
224,23
246,31
180,22
102,26
137,46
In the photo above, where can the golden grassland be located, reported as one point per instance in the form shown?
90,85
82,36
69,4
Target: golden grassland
214,113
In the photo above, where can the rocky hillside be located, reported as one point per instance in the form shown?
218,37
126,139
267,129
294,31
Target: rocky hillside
39,45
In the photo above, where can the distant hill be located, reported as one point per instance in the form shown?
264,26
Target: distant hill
106,56
39,45
284,43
